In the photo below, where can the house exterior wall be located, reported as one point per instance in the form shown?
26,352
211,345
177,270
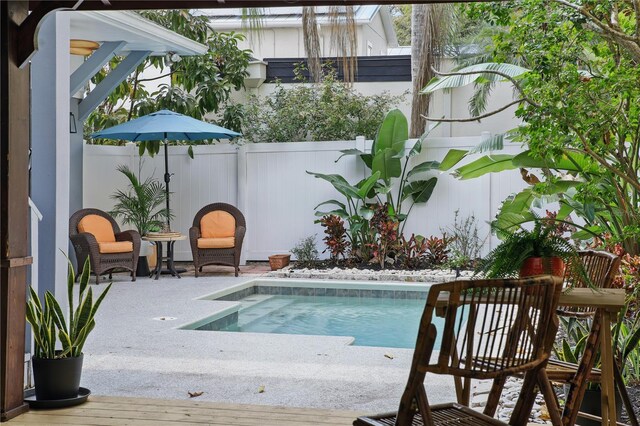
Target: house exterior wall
372,40
274,41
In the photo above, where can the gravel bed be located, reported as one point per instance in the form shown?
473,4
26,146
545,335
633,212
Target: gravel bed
423,275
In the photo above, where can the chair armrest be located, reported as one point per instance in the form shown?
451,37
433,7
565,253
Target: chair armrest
239,237
240,231
129,235
85,244
194,233
134,237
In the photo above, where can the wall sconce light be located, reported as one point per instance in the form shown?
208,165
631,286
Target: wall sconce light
171,58
72,123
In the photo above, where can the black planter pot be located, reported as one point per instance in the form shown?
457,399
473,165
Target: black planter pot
57,378
143,267
591,404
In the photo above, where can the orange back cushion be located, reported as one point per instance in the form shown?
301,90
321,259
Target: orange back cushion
217,224
98,226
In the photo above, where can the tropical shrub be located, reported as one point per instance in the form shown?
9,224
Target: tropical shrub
464,240
576,90
305,251
336,236
142,205
325,111
386,240
412,253
389,164
437,250
196,86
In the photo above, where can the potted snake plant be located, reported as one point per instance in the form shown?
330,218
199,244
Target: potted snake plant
57,368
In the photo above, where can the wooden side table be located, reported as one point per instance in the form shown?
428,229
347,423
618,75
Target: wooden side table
170,239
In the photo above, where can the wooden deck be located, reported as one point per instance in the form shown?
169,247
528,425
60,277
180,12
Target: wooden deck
150,412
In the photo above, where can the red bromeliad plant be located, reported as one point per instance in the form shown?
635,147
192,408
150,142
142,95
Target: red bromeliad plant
412,253
437,250
386,227
336,236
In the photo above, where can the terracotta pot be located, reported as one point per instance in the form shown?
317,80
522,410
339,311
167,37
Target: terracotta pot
542,265
279,261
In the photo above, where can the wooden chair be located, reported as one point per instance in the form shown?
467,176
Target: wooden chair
493,328
96,234
601,269
216,236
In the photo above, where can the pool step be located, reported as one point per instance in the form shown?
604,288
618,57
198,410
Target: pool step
253,300
260,309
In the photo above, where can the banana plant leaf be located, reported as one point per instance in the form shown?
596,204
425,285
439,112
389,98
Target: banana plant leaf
366,185
420,191
339,183
393,133
423,167
366,158
334,202
387,164
453,157
483,165
454,81
571,162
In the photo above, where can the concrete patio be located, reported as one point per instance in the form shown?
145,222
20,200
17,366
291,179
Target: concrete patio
133,354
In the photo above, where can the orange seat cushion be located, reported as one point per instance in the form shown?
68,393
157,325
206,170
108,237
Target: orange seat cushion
119,247
99,226
217,224
216,243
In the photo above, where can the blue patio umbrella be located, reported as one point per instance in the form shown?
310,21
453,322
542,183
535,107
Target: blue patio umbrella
165,126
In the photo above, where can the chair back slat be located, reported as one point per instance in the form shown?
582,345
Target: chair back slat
598,269
492,327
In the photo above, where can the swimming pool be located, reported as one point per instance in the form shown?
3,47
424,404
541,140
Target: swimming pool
380,314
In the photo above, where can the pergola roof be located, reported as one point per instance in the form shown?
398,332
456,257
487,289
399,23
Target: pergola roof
139,33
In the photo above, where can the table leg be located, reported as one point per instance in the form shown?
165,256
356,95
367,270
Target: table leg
160,259
170,266
608,392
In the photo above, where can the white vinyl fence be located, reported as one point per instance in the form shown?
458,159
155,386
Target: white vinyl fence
269,184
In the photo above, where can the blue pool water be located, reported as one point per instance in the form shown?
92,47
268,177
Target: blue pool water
371,321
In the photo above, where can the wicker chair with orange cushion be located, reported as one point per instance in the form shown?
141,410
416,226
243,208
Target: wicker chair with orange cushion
216,236
96,234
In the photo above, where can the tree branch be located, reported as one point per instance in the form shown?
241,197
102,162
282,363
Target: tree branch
476,118
636,8
632,181
596,21
157,78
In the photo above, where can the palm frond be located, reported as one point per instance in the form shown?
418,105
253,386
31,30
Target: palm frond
344,39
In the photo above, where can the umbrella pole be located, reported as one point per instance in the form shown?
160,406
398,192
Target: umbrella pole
167,178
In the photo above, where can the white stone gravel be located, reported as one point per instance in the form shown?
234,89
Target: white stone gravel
422,275
508,399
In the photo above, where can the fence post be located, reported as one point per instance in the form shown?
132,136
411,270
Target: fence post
241,196
361,144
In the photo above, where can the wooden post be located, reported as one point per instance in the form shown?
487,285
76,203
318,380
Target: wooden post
14,210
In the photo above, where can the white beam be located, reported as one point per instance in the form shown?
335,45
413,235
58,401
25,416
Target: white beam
110,82
91,66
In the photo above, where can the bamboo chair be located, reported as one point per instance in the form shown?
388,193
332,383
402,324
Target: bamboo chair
601,268
493,328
